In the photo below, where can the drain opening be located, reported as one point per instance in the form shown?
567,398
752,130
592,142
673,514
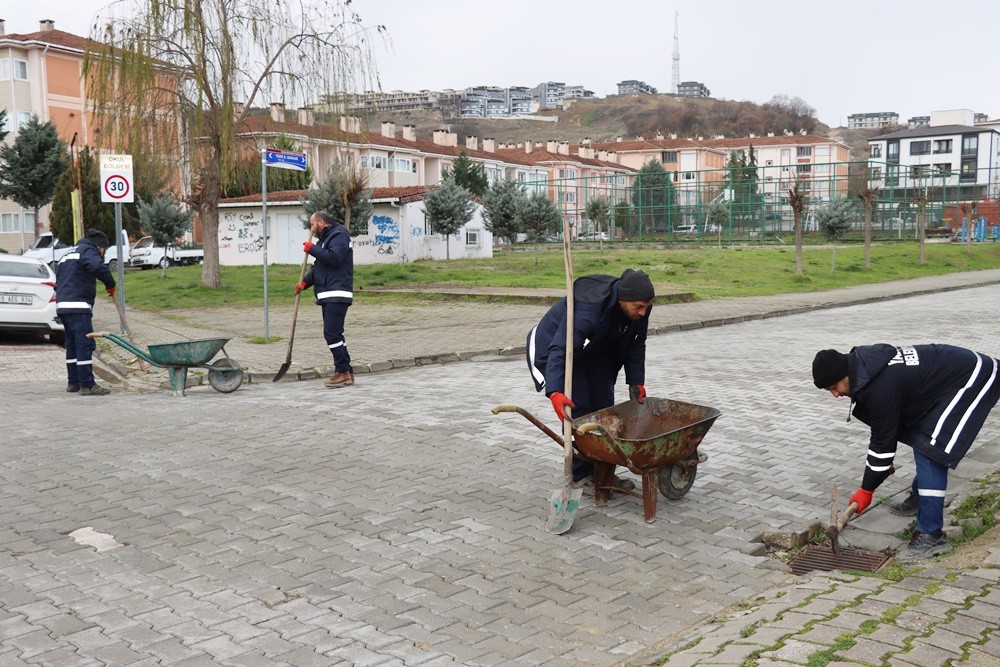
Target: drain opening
821,557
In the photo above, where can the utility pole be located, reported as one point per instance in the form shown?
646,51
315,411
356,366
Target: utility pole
676,79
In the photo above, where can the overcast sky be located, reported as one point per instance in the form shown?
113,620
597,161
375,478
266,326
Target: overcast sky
842,57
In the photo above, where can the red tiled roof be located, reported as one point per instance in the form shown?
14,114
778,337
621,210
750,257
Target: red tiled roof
256,124
54,37
402,194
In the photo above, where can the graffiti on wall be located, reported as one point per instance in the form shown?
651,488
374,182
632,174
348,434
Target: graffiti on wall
386,237
242,232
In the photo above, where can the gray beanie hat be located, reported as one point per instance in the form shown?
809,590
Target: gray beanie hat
635,286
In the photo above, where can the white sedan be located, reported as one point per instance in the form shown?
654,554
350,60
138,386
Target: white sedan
28,297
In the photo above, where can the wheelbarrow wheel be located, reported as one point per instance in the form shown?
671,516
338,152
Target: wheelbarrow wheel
226,380
676,481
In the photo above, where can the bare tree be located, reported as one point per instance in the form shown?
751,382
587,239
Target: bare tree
868,193
207,63
797,200
968,210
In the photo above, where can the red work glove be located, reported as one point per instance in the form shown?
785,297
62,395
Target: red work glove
863,499
638,392
306,246
299,286
111,292
559,402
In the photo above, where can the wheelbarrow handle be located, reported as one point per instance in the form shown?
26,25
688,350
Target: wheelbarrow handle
531,418
97,334
598,431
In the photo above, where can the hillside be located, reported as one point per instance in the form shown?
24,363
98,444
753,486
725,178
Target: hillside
605,119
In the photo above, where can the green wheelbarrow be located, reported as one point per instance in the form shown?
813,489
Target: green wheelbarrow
224,374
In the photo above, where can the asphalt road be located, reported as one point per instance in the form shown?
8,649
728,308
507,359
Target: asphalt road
398,522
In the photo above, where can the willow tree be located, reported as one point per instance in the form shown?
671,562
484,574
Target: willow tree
202,65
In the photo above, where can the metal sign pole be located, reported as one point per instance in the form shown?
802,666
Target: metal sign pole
263,199
120,292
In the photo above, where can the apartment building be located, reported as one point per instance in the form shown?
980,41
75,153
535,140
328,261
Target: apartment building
693,89
950,152
550,94
635,87
872,120
40,75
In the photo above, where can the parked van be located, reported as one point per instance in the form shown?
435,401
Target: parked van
111,254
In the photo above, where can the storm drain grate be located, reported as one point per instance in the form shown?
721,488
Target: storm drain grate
822,558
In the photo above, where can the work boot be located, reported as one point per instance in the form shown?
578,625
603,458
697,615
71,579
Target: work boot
905,507
72,388
96,390
924,545
339,379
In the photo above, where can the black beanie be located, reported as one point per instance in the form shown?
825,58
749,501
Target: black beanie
635,286
829,368
98,237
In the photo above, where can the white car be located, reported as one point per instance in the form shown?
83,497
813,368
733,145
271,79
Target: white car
596,236
28,297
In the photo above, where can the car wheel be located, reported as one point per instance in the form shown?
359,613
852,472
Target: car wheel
164,263
113,265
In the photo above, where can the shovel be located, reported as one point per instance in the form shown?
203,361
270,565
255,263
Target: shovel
295,316
565,501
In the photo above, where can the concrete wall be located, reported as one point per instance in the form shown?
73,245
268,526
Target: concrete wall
396,234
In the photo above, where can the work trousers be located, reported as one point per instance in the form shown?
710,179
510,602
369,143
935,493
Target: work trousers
334,315
929,485
79,348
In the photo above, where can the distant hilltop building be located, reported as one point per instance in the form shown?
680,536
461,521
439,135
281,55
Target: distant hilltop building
551,94
395,100
633,87
495,102
872,120
693,89
918,121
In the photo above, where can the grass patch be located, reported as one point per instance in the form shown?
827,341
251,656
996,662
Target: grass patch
260,340
705,271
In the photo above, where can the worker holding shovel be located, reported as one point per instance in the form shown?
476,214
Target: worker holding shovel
332,278
934,398
609,333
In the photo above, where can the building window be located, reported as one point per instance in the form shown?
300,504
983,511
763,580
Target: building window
892,151
877,150
8,222
918,171
404,165
877,173
943,169
23,118
942,145
920,147
804,151
970,144
668,157
968,170
567,173
20,70
29,222
689,176
569,197
804,168
472,237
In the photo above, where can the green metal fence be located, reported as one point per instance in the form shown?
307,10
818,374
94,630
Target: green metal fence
745,205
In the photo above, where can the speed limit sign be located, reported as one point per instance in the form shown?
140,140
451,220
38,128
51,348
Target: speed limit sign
116,179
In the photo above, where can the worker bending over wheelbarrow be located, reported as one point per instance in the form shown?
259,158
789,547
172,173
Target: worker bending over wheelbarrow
611,321
933,398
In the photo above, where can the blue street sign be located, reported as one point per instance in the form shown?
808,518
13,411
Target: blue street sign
284,159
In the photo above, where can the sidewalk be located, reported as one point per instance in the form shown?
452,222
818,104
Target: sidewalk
940,612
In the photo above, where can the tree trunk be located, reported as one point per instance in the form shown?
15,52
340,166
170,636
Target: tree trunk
868,232
922,227
208,208
833,261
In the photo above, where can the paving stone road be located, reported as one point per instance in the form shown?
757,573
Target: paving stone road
399,523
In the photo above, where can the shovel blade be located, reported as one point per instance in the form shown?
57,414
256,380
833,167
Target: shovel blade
281,371
562,510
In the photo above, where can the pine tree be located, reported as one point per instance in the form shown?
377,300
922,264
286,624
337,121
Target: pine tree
329,197
448,208
655,199
165,220
538,217
468,174
31,166
500,209
834,220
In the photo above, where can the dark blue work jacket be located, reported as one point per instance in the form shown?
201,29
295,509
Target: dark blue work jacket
76,277
332,275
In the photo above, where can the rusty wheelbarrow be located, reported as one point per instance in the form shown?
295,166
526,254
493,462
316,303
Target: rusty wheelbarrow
657,440
225,375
